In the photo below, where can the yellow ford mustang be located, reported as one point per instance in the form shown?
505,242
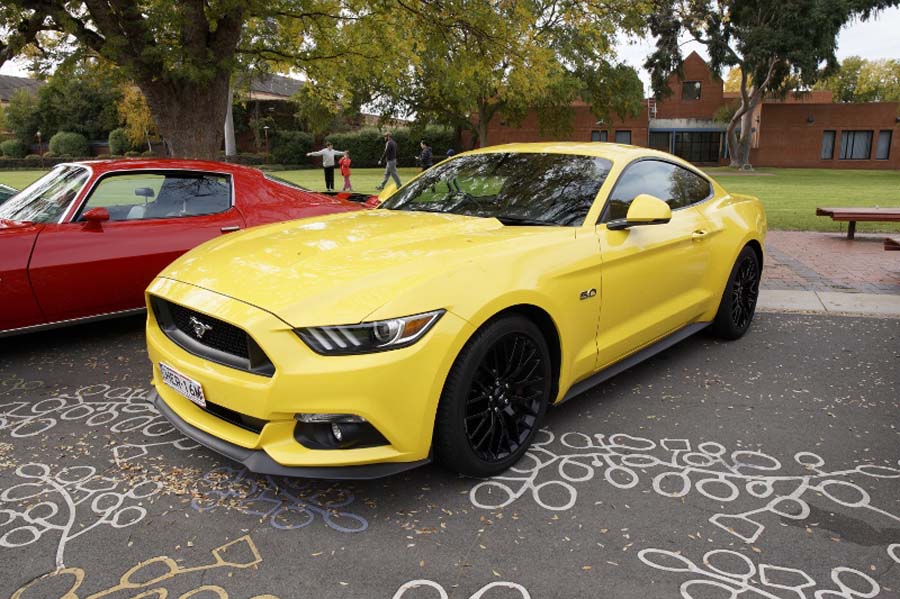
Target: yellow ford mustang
443,324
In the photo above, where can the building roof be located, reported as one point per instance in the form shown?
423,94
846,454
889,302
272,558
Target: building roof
10,84
270,86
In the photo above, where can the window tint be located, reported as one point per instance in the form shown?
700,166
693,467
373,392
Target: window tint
884,145
673,184
514,188
827,145
690,90
856,145
149,195
45,200
623,137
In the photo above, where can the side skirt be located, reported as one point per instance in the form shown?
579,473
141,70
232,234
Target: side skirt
634,359
74,321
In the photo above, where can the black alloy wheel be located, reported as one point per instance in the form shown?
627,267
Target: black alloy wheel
494,399
738,303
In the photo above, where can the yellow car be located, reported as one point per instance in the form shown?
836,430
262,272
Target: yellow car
444,323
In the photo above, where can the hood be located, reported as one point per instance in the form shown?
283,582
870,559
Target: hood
340,268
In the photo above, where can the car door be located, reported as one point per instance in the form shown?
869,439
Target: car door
82,268
652,277
20,309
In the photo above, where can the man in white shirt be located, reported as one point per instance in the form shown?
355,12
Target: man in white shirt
328,154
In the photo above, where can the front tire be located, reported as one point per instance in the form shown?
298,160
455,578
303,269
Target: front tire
494,399
738,304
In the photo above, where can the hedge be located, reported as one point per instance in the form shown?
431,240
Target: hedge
13,148
367,145
290,147
67,143
118,141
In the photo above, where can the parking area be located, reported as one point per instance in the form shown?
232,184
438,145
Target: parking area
768,467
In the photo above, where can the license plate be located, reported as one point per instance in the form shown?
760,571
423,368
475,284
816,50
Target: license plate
187,387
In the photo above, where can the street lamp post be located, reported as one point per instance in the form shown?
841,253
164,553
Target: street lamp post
266,131
40,148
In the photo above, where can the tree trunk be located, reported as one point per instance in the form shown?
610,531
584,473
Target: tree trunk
484,119
230,142
746,139
189,114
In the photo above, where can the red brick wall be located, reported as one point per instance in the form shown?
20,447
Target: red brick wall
673,107
788,139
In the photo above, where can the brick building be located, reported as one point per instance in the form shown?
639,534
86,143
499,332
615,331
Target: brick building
807,130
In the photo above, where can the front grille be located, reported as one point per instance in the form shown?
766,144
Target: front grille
221,335
210,338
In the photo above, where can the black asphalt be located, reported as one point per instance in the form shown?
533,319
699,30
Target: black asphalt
767,467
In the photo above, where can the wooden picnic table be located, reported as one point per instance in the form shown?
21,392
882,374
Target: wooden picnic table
852,215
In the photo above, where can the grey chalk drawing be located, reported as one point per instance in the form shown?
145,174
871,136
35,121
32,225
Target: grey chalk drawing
285,503
675,468
71,503
10,384
726,573
121,410
436,590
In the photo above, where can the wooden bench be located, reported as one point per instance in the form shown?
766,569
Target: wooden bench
892,243
852,215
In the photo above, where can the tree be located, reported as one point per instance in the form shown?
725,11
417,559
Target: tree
733,80
477,61
862,80
135,116
80,97
776,44
182,54
22,116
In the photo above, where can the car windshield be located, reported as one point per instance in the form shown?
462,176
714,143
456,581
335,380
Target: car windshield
514,188
45,200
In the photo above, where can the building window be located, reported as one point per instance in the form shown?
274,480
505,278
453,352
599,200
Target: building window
623,137
884,145
827,145
690,90
698,146
856,145
661,140
599,135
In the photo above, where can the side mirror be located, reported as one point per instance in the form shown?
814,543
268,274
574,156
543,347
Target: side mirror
95,217
388,191
644,210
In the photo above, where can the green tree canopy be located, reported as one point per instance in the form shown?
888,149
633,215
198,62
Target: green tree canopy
863,80
478,60
776,44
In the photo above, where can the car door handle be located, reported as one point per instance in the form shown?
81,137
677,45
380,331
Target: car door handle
230,229
698,234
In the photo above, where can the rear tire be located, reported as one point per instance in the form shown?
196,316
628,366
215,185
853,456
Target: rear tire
738,304
494,399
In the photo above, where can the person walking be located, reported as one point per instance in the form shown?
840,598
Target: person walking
389,157
425,157
344,163
328,153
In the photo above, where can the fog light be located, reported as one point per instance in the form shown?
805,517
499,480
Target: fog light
316,418
336,431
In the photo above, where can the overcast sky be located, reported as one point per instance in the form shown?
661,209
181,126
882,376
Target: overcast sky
877,38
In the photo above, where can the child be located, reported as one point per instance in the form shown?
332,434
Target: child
344,163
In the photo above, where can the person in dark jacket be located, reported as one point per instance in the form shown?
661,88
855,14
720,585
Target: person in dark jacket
425,157
389,157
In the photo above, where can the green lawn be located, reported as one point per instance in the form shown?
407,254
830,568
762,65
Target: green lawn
789,195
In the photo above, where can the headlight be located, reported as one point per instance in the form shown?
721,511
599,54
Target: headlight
369,337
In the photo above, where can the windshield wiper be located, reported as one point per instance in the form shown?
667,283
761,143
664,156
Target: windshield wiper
514,220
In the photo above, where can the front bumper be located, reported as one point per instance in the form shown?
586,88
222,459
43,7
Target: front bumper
395,391
259,461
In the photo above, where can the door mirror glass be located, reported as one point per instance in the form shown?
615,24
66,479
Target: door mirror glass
645,209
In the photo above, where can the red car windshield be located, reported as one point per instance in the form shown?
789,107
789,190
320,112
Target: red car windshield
45,200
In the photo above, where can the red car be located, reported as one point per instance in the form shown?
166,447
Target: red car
83,241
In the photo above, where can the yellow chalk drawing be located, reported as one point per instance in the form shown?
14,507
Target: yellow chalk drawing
149,578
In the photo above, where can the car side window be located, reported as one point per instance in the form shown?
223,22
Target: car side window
153,195
671,183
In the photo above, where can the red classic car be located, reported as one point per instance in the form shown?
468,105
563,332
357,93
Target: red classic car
83,241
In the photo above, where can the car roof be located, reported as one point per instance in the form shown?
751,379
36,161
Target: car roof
600,149
121,164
